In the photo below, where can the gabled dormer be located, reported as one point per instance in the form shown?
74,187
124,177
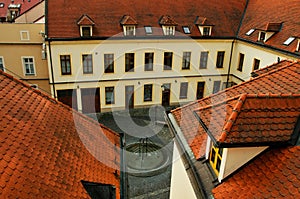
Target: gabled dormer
13,11
85,24
204,26
129,25
168,25
269,31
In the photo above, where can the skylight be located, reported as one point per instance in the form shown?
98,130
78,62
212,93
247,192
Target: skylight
1,5
250,32
289,41
186,30
148,29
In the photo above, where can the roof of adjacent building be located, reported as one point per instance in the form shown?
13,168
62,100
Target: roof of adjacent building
274,174
47,149
282,80
25,5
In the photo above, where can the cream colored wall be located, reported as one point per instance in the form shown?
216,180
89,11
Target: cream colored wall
119,79
181,186
32,15
12,49
234,158
266,57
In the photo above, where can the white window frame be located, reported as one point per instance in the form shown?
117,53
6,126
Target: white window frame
201,29
24,66
2,62
128,29
169,30
27,33
81,30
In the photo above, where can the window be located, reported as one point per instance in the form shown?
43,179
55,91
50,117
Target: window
109,63
169,30
148,30
2,64
262,36
129,62
256,63
183,90
206,31
28,64
186,60
186,30
87,62
241,62
109,95
65,64
217,85
24,35
220,59
203,59
168,59
86,31
149,61
129,30
200,90
147,92
250,32
215,158
298,46
289,41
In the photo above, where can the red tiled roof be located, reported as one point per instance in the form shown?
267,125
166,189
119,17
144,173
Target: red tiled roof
269,68
25,5
46,148
259,13
167,20
274,174
62,15
252,119
283,80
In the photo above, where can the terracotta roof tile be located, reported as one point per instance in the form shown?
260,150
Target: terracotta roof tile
282,80
274,174
249,119
269,68
48,148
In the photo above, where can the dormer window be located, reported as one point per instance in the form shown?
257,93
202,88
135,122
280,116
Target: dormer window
262,36
85,24
129,25
269,31
204,26
168,25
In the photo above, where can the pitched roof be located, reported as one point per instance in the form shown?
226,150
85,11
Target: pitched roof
25,5
274,174
47,149
261,13
269,68
249,119
107,15
283,80
85,20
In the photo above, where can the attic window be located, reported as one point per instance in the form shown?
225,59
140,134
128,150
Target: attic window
86,31
86,26
250,32
169,30
1,5
148,30
289,41
262,36
129,30
168,25
129,25
205,30
186,29
298,46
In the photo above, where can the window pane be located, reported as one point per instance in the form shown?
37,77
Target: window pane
220,59
87,61
65,64
256,63
203,60
109,95
148,92
108,63
183,90
168,58
129,62
149,61
29,66
186,60
241,62
86,31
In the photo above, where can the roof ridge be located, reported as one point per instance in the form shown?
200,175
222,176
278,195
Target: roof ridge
233,117
53,100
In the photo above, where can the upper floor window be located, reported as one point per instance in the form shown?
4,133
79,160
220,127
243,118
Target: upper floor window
168,59
256,63
28,64
220,59
65,64
186,60
241,62
129,62
203,59
109,63
87,63
149,61
2,64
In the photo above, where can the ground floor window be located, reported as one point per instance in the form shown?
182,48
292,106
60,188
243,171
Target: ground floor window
109,95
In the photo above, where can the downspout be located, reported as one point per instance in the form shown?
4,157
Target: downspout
51,68
230,60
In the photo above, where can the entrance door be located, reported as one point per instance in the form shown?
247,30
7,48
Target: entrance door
166,90
200,90
129,97
90,98
68,97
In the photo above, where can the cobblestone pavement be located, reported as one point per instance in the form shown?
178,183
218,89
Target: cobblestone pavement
139,187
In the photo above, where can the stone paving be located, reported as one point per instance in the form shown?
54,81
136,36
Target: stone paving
140,186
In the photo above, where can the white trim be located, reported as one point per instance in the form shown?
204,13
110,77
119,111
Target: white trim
126,30
223,163
201,29
91,30
208,146
169,30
